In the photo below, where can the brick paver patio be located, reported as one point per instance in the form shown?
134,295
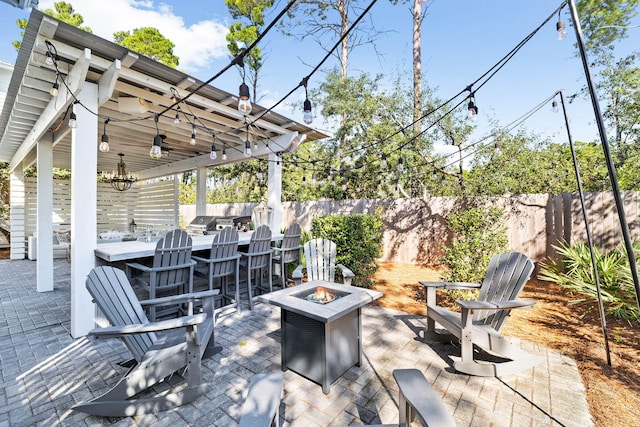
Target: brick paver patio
45,371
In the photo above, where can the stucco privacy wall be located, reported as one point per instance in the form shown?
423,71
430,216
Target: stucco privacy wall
415,229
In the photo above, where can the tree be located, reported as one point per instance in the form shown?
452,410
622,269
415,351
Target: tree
150,42
240,35
63,11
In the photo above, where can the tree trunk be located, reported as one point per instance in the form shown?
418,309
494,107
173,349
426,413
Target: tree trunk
417,68
344,55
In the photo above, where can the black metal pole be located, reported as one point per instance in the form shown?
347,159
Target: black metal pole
607,152
596,276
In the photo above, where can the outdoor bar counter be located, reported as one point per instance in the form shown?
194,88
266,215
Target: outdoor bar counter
124,251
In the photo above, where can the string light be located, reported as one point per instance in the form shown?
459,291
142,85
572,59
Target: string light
473,110
307,114
54,88
244,103
104,141
400,166
554,106
213,155
247,144
561,30
73,123
193,141
156,151
224,152
176,121
383,161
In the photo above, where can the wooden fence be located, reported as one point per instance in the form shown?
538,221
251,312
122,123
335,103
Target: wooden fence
415,229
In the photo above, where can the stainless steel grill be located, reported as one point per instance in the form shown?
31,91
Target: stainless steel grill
204,224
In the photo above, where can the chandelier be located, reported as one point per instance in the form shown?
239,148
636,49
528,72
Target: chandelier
120,181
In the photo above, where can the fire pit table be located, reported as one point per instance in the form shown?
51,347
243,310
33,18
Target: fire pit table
321,328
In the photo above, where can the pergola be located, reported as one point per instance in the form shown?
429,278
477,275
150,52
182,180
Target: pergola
97,80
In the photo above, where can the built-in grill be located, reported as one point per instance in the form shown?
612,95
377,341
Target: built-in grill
204,224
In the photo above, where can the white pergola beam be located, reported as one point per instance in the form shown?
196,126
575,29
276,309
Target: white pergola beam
107,82
75,82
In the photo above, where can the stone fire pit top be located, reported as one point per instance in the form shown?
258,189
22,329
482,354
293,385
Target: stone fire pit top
289,299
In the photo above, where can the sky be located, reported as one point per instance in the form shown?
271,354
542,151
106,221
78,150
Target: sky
461,40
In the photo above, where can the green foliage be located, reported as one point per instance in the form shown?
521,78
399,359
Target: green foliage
479,233
358,240
150,42
575,272
63,11
4,190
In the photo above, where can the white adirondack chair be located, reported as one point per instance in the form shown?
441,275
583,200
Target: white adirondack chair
320,257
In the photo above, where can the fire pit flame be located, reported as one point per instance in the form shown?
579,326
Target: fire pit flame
321,296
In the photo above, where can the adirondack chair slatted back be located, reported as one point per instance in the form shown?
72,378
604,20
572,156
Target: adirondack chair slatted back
224,245
505,278
320,256
291,244
173,249
112,292
260,243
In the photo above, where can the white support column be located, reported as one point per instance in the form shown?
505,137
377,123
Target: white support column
16,214
44,225
201,191
274,192
84,160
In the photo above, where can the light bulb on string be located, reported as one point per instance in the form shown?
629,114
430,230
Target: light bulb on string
259,174
497,148
54,88
255,146
244,103
213,154
307,114
554,106
473,109
434,176
443,181
400,166
247,148
224,153
176,121
383,161
73,123
156,151
193,141
561,30
104,141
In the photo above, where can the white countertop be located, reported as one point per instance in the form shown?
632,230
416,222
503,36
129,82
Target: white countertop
124,251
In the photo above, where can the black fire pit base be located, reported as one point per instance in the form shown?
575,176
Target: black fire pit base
321,351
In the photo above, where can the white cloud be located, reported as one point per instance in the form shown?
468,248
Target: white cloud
197,45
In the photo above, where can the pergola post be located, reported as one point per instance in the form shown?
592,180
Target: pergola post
84,161
201,191
44,225
274,191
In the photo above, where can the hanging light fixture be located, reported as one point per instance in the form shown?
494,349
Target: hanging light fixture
224,152
156,150
54,88
554,106
247,144
244,103
121,181
400,166
104,141
473,110
561,30
213,154
383,161
307,114
73,123
176,120
192,141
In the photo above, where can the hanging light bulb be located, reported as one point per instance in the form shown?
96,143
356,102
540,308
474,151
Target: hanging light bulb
247,148
49,59
443,181
561,30
259,174
383,161
192,141
104,141
54,88
73,123
400,166
213,154
255,145
156,151
244,104
307,115
434,176
224,153
473,110
304,181
554,106
497,148
176,121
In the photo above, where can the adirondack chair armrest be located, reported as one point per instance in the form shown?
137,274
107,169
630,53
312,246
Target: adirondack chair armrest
145,328
450,285
148,269
347,274
495,305
176,299
298,274
209,260
294,248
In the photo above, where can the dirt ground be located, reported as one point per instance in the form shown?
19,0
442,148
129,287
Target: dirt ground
613,392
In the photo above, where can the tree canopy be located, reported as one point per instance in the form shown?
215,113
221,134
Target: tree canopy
150,42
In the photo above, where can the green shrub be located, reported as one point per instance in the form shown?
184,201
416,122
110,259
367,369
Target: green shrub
479,233
575,272
358,240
